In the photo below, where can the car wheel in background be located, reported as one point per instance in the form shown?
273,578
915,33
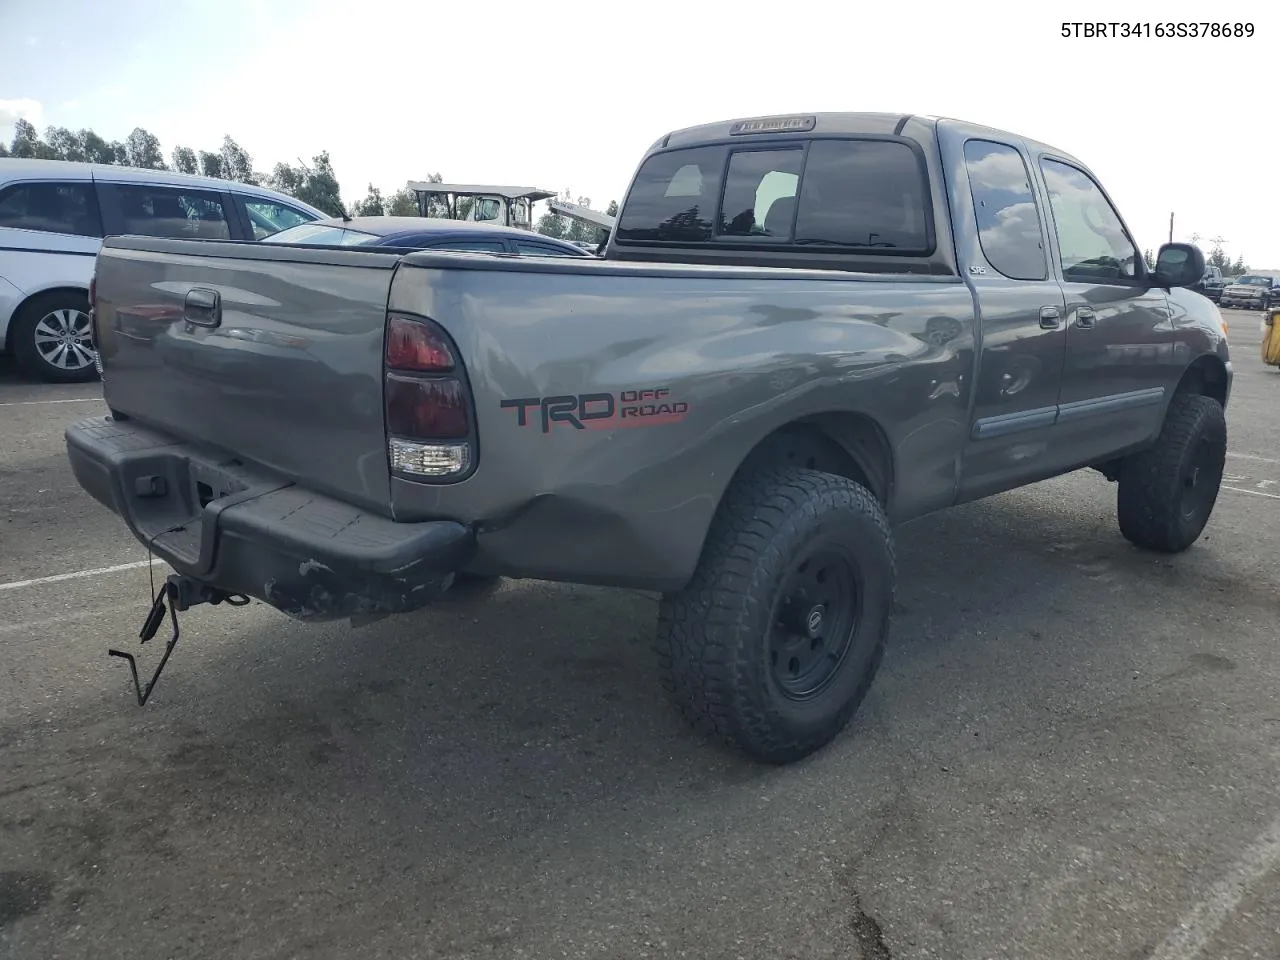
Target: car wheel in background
52,339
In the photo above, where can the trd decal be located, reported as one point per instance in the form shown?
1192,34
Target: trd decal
599,411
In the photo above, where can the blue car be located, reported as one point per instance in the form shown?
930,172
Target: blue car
425,233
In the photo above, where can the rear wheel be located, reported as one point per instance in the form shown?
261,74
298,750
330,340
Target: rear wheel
774,643
52,338
1166,494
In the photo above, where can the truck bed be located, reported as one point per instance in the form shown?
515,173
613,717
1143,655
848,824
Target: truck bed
708,360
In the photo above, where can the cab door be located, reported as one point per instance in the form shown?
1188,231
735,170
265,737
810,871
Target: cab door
1124,352
1002,243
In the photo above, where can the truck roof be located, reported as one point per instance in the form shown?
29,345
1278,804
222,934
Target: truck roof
828,124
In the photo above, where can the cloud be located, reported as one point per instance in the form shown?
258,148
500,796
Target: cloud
11,111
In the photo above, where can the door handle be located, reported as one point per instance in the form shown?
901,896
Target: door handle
1050,317
202,307
1085,317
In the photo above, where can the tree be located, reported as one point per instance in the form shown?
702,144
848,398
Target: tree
27,143
550,225
211,164
320,186
1239,267
371,205
236,163
4,151
553,225
403,203
613,208
64,144
143,150
583,232
184,160
1147,256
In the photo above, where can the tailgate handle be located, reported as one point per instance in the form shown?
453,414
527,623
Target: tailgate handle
203,307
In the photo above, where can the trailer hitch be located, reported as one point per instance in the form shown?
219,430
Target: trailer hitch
176,593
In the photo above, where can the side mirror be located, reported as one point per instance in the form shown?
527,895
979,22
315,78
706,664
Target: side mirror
1179,265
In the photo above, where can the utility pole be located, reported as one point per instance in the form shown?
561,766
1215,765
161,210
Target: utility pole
1171,228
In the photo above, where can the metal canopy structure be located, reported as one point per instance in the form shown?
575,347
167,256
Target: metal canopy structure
508,205
575,211
532,194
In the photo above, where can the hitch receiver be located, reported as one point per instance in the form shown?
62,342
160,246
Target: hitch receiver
181,593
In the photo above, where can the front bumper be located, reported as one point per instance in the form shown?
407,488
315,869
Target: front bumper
310,556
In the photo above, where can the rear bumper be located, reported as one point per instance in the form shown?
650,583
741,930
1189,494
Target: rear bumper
310,556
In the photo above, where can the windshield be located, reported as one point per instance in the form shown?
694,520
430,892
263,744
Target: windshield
321,235
1255,281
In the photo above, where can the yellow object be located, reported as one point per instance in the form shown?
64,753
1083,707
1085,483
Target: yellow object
1271,339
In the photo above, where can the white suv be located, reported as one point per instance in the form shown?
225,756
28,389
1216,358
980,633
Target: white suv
53,216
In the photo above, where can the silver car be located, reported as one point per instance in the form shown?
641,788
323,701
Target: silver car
53,216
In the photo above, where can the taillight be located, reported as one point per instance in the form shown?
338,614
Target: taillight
428,409
93,324
412,345
435,409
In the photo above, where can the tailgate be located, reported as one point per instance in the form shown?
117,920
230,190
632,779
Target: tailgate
272,354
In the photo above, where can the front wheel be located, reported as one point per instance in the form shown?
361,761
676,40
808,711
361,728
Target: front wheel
52,339
1166,494
774,643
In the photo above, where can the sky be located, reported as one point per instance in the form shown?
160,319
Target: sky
567,95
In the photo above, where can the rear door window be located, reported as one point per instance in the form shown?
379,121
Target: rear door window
70,208
1005,207
172,212
267,218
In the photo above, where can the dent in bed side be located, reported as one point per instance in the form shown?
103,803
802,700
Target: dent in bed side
745,351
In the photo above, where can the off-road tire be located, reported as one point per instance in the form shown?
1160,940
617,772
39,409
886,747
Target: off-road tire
1150,502
22,336
713,637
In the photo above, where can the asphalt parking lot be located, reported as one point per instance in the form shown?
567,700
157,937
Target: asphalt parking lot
1072,751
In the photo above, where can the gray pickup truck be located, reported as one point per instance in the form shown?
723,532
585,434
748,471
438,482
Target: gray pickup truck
804,331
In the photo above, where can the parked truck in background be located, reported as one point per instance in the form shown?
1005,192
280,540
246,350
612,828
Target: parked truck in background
804,331
1252,292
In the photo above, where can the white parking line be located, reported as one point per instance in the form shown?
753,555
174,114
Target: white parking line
1255,493
34,403
1251,456
1195,930
76,575
23,626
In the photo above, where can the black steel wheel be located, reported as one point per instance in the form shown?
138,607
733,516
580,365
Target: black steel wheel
775,641
1166,494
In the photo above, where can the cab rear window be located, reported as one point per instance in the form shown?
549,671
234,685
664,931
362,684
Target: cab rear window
860,194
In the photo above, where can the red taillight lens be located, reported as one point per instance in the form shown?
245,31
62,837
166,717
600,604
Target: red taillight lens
426,409
412,345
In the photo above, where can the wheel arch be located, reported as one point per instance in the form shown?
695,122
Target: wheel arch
847,443
1205,376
